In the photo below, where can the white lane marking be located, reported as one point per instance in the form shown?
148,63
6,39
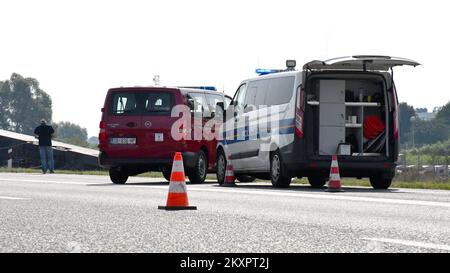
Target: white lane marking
13,198
409,243
332,196
45,181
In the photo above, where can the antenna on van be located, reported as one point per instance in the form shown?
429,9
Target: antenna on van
156,81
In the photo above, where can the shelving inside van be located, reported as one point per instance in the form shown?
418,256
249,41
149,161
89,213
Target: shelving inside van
349,111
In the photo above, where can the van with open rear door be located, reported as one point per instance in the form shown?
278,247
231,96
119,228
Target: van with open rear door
344,106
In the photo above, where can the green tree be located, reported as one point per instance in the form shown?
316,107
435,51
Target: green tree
71,133
428,132
23,104
444,114
406,113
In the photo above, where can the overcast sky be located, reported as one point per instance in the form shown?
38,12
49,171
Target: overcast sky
79,49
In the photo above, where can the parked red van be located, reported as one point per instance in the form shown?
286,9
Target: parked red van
135,131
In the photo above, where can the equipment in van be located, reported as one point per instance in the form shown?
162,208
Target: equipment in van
177,198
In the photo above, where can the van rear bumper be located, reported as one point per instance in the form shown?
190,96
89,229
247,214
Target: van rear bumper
189,160
346,168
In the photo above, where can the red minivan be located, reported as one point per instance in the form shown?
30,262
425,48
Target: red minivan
135,131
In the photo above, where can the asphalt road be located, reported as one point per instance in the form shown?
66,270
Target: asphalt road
73,213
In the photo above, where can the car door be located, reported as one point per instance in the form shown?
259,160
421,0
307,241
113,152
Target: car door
123,125
360,62
255,124
234,128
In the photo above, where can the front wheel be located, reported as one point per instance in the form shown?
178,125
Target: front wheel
317,182
198,174
279,180
166,172
380,183
118,175
221,167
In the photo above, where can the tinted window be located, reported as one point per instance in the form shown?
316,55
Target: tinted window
141,103
280,90
157,102
124,103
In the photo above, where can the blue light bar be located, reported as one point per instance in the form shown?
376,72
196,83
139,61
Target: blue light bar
210,88
262,71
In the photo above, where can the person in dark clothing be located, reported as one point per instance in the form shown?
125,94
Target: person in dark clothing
45,133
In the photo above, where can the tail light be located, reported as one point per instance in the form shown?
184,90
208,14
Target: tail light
299,112
102,134
395,112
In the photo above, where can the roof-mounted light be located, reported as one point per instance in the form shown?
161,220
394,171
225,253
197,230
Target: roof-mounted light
262,71
209,88
290,65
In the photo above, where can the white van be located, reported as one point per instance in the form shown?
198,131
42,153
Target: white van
344,106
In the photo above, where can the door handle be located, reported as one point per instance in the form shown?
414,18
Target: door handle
131,124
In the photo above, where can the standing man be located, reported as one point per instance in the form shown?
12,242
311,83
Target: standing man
45,133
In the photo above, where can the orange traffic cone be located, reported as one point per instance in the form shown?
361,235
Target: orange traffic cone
229,175
177,198
334,185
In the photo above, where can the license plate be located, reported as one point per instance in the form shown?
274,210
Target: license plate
159,137
123,140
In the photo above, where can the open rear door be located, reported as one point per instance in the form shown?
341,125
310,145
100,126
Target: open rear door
360,62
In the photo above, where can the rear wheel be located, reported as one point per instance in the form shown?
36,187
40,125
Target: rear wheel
279,180
380,183
245,178
221,167
166,172
198,174
118,175
317,181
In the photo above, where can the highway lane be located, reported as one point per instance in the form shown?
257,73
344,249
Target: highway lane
74,213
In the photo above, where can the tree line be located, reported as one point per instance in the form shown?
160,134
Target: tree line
415,132
23,104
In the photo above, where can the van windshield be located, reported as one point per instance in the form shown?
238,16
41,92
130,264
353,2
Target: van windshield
141,103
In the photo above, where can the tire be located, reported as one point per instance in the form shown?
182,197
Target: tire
166,172
221,167
317,182
118,176
245,178
380,183
198,174
278,179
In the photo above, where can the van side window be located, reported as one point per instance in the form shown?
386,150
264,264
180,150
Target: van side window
256,94
124,103
157,102
198,105
212,100
240,95
280,90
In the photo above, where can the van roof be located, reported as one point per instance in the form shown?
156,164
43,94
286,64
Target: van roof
276,75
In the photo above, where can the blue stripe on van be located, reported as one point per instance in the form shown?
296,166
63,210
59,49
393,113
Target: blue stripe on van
285,127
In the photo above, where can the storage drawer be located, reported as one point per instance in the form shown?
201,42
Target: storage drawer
329,139
332,114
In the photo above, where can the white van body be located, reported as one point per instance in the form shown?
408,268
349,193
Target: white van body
305,117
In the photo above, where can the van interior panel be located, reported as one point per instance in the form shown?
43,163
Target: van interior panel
350,114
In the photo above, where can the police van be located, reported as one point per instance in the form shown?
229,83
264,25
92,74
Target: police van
285,124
